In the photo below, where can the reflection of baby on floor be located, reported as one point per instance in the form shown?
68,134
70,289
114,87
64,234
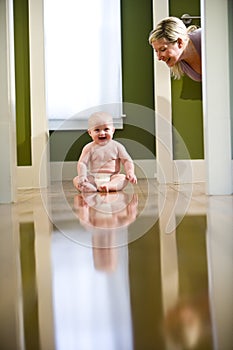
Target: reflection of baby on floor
106,216
106,210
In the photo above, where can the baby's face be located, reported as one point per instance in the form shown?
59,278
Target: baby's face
102,134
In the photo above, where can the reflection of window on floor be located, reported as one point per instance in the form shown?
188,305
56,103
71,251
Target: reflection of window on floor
82,55
91,306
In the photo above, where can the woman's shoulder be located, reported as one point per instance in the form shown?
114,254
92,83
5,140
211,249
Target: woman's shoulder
195,36
195,33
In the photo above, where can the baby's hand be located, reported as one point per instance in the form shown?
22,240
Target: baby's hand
132,178
82,179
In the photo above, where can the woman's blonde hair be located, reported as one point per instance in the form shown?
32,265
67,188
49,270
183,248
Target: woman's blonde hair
171,29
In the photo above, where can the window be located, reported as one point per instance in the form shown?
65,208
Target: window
82,60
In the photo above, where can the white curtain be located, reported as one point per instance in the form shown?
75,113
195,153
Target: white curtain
82,56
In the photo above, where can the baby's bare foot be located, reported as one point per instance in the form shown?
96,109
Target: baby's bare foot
87,187
103,188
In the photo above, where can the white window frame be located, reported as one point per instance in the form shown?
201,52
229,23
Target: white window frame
69,104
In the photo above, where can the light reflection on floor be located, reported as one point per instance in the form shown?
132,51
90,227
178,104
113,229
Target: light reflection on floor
148,268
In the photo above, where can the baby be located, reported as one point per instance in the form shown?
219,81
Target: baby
100,161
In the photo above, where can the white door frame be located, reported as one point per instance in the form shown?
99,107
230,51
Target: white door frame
36,175
216,96
7,105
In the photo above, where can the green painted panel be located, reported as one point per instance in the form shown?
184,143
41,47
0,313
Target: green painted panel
187,117
187,110
67,145
138,79
137,56
22,85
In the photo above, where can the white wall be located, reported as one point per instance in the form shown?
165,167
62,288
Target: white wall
7,106
216,96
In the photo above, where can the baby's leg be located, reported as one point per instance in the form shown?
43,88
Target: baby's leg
117,183
86,186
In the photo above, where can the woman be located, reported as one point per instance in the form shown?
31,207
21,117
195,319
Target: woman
179,47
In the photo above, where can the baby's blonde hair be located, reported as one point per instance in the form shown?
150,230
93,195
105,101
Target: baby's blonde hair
171,29
99,118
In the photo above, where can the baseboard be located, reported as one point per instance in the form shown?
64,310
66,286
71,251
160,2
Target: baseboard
185,171
25,177
232,175
144,168
189,171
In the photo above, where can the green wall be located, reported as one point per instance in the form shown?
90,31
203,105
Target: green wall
137,56
187,111
22,86
138,79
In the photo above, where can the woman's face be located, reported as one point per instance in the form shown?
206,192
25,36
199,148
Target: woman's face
167,52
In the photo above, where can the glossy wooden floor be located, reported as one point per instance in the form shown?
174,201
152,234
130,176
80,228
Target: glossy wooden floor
148,268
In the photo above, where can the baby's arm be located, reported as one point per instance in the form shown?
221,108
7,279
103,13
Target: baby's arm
129,170
82,170
83,164
127,163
